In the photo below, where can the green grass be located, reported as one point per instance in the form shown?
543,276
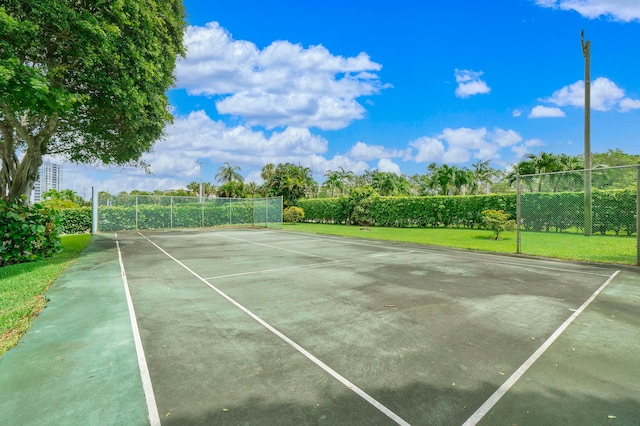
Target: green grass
22,288
597,248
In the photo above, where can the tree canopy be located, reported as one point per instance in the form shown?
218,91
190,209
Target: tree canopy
83,80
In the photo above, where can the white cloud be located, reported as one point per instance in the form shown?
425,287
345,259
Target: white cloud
365,152
386,165
525,148
516,113
429,149
628,104
283,84
540,111
463,144
618,10
470,83
605,96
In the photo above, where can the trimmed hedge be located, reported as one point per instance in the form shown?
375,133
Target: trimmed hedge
613,210
401,212
75,221
28,233
185,215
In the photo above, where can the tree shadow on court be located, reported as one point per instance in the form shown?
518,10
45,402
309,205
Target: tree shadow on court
420,404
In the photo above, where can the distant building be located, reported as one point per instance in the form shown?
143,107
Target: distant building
49,177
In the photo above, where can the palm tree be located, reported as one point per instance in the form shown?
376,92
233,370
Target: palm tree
463,178
267,171
442,177
346,179
483,174
228,173
333,181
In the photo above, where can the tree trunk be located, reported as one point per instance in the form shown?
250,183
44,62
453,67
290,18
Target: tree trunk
20,178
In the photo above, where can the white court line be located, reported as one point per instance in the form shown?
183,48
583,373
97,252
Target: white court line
308,265
508,384
461,256
293,344
152,408
274,247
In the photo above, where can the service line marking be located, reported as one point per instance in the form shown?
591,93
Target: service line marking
446,251
293,344
308,265
508,384
152,408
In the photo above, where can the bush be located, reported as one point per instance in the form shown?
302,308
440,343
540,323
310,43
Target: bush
28,233
75,220
293,214
498,221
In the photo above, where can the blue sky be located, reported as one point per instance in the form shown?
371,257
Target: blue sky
391,86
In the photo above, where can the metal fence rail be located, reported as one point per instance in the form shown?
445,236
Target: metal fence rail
129,212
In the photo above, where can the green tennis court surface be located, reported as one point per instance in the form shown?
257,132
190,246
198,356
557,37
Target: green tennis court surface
255,327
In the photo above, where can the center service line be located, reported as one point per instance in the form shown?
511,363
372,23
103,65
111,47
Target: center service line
393,416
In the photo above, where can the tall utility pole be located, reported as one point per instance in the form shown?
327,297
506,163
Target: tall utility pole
586,52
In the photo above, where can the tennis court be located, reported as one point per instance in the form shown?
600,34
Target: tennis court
255,327
267,327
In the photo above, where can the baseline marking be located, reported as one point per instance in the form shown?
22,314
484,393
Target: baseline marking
508,384
152,408
393,416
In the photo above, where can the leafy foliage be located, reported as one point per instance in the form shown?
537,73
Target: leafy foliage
75,220
293,214
28,233
497,221
84,80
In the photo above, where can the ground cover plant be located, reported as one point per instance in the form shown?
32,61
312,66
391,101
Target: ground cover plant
596,248
22,288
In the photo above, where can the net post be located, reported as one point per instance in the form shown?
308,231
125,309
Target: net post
518,215
94,211
137,212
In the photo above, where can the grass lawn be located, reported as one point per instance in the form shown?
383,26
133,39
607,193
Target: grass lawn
597,248
22,288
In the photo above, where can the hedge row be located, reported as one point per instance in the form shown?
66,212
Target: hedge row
460,211
183,216
613,210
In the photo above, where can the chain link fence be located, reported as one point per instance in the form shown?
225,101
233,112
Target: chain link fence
600,204
129,212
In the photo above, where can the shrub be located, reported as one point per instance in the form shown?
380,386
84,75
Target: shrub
75,220
28,233
497,221
293,214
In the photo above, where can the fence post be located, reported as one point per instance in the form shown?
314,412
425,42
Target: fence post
94,211
638,215
136,212
518,215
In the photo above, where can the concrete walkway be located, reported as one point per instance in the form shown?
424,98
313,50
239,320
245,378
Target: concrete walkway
77,364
